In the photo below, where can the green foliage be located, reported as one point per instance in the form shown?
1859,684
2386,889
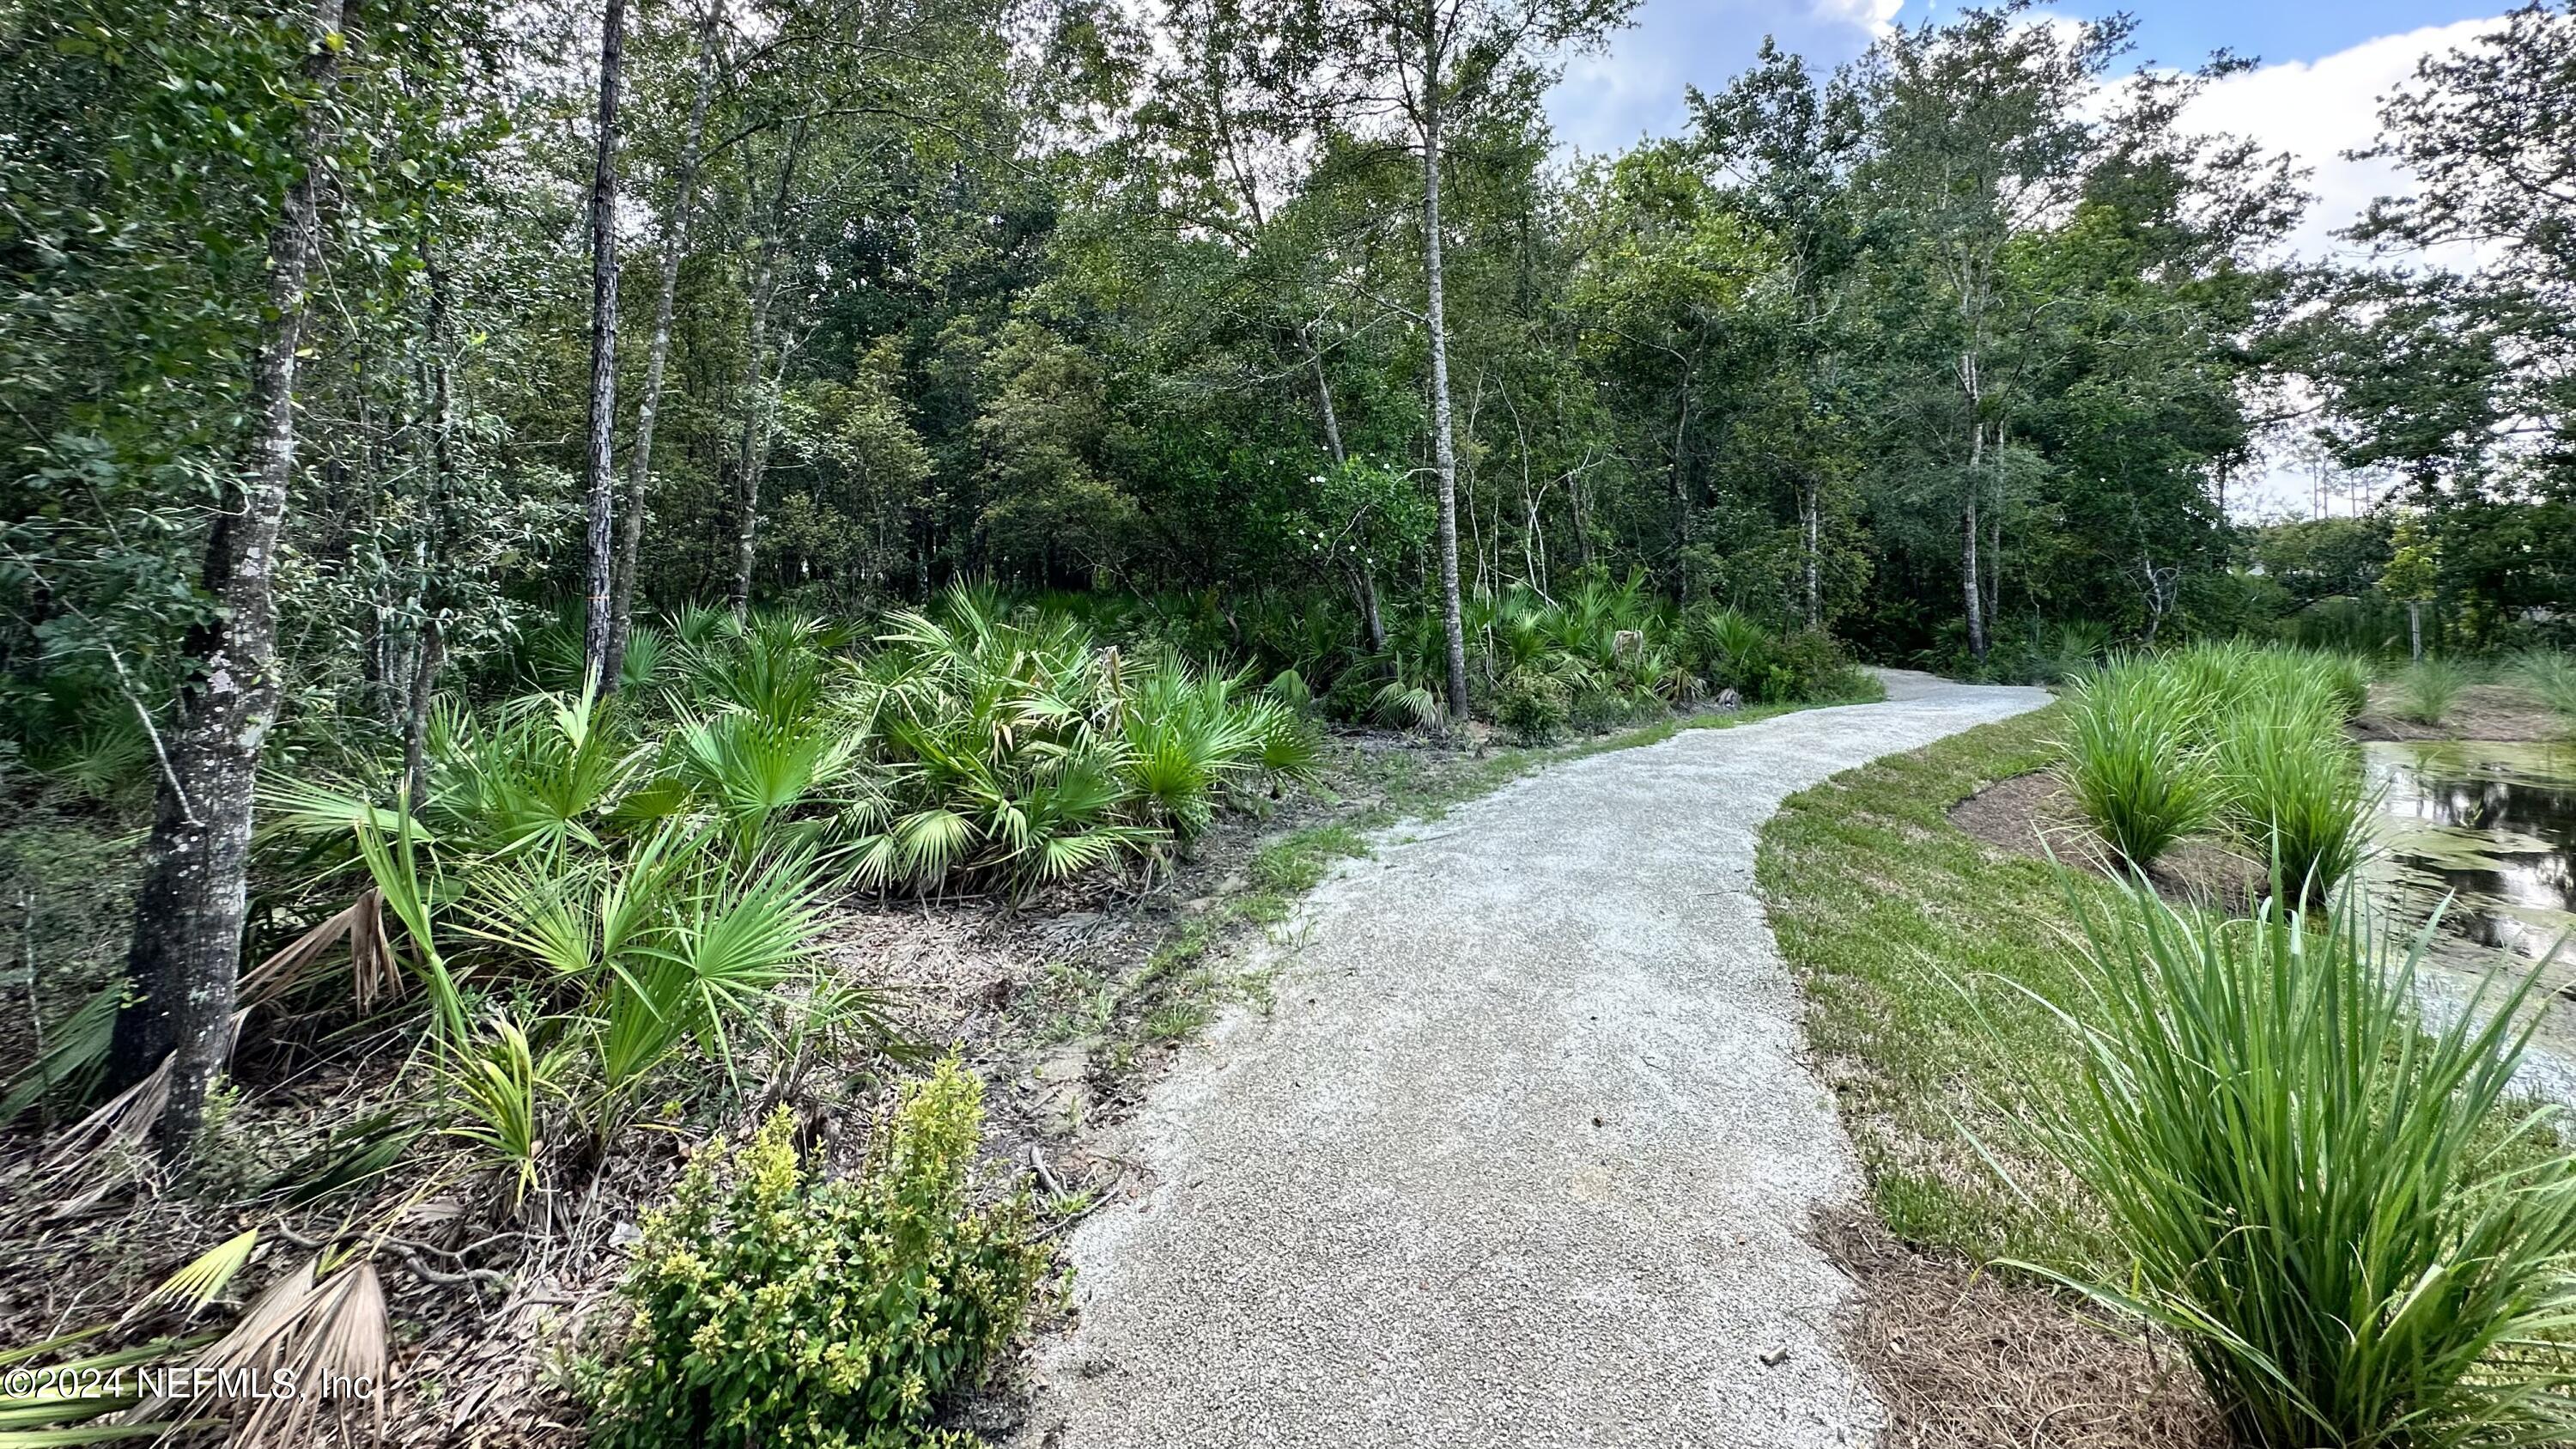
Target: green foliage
500,1086
2252,737
776,1307
2428,688
1015,746
2414,562
2295,794
2129,759
2331,1201
2551,674
1532,706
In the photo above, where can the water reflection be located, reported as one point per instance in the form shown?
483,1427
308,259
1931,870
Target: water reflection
2494,825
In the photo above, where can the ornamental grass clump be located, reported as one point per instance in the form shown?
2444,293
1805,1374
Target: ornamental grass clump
2327,1196
2130,763
2428,689
778,1308
2551,674
2293,789
2250,738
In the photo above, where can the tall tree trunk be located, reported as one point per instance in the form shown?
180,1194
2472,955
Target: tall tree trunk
1811,508
185,959
753,455
639,453
1991,562
1363,573
1681,489
1452,620
2415,631
600,471
1582,526
1324,405
431,656
431,652
1968,550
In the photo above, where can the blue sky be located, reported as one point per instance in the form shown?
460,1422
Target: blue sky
1606,102
2180,32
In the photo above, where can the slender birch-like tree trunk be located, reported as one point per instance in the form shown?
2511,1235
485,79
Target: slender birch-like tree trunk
639,452
599,468
1811,506
753,456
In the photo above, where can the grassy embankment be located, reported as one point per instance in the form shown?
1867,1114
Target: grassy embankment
1902,929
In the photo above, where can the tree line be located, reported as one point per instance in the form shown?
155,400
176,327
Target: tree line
348,344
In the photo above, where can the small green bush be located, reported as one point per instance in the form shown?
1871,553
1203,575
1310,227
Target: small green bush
1532,706
1725,647
1597,710
2328,1198
1803,665
777,1309
2551,674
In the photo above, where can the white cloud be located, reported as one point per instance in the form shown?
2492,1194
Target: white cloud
2318,110
1607,101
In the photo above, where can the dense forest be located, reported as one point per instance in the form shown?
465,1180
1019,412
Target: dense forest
357,353
352,351
1140,389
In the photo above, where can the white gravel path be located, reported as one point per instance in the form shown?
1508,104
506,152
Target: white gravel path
1522,1156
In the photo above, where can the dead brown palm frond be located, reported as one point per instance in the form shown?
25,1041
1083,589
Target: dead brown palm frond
375,972
309,1338
126,1119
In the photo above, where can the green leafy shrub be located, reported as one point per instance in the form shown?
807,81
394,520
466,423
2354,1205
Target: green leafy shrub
1596,708
1353,697
2328,1199
1532,706
2130,763
776,1308
1805,665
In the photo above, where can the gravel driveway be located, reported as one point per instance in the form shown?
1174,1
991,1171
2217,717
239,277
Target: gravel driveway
1522,1156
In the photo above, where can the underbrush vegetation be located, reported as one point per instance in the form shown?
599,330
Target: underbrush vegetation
586,887
2161,746
772,1306
566,922
1600,656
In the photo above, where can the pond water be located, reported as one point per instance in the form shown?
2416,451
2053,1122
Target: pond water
2493,825
2493,828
